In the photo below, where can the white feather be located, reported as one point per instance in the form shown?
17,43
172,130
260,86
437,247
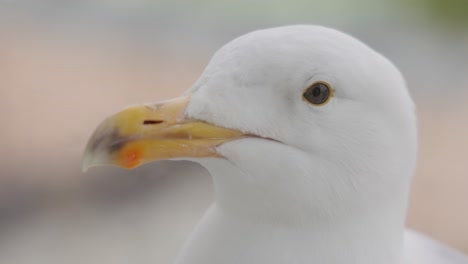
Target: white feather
333,186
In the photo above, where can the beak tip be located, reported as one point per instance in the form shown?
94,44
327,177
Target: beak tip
95,157
86,162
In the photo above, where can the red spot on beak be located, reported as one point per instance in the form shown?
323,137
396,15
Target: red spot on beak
130,157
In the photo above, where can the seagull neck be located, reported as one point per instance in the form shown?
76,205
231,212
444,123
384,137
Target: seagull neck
370,232
366,239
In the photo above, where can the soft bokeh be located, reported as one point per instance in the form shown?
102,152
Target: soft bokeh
65,65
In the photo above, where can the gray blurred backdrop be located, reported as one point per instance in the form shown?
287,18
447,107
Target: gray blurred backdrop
65,65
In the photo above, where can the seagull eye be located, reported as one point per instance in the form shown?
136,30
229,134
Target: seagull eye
318,93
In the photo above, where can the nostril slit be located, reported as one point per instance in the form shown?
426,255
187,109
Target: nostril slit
152,122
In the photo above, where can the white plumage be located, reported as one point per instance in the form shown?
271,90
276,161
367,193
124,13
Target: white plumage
332,186
310,138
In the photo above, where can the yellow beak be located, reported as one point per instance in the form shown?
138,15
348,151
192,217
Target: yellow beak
145,133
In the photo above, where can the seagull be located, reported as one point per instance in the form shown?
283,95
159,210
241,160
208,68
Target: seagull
310,138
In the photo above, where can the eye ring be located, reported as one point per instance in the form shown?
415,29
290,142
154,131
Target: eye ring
318,93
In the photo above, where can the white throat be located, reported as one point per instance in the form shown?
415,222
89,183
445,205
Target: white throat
245,222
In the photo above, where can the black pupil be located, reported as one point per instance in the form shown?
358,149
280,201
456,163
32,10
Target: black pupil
316,91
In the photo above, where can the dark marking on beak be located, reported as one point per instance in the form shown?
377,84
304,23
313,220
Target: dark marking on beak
102,139
111,141
152,122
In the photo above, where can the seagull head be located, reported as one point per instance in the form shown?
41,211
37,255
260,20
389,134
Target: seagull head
293,123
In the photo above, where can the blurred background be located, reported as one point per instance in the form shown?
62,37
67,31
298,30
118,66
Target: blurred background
65,65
